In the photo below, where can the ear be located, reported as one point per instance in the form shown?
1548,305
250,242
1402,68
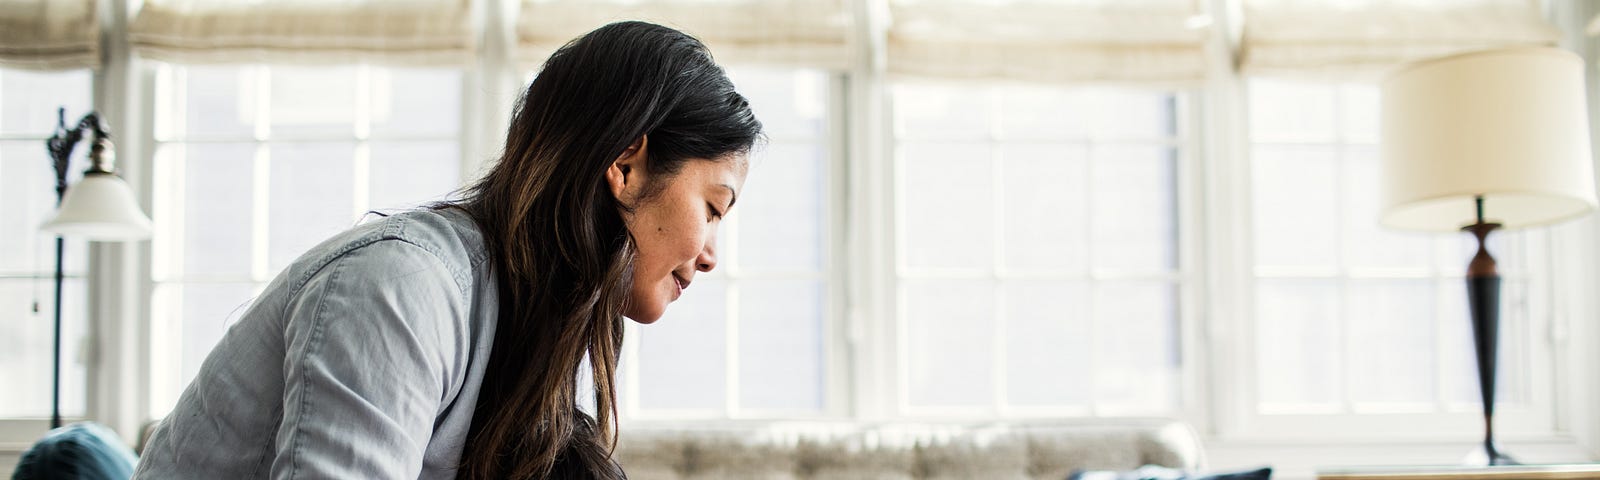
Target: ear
625,176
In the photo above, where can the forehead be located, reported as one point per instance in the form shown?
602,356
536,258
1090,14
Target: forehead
730,169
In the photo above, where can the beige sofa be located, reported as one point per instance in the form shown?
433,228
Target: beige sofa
849,451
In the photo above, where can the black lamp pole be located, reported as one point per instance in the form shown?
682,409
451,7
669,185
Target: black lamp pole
61,144
1483,299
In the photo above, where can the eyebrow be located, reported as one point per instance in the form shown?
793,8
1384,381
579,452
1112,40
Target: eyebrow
733,193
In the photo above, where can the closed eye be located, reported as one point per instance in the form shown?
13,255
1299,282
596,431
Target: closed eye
711,210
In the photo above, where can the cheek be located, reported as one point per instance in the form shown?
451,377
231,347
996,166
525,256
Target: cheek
668,239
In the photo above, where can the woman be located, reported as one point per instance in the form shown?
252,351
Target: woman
447,342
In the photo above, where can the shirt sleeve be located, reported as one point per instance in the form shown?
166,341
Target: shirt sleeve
370,342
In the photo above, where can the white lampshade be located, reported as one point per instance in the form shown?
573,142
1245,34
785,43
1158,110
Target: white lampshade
1510,125
100,207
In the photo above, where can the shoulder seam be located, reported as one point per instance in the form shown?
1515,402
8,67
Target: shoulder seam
393,229
305,390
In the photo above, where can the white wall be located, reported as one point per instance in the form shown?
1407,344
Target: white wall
8,462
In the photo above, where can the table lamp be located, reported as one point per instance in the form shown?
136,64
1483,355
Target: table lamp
1481,141
100,207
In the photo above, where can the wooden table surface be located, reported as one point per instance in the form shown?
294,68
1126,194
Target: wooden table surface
1504,472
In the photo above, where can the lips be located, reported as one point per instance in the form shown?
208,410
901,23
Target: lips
681,283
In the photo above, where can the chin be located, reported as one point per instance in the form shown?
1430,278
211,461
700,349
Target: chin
646,315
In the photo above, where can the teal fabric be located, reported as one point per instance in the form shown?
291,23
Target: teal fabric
87,451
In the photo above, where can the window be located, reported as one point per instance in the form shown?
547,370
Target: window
751,338
1352,318
1037,251
1038,233
255,165
28,115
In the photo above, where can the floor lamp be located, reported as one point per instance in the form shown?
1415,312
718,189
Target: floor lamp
100,207
1478,142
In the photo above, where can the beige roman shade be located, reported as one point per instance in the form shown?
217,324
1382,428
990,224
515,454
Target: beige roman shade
1055,41
49,34
799,33
420,32
1363,39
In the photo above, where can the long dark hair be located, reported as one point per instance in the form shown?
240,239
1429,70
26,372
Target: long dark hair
561,254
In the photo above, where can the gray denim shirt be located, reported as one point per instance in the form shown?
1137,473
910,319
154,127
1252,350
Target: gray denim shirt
361,360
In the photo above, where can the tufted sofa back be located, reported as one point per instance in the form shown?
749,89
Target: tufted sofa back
902,451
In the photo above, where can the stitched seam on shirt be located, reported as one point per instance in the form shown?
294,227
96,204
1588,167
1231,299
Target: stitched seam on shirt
265,461
472,241
317,324
378,234
394,229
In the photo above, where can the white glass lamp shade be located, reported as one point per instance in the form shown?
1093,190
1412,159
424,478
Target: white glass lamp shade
1508,125
100,207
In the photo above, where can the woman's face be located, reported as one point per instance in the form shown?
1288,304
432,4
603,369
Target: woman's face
674,227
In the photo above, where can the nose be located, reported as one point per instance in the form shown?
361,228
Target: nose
708,255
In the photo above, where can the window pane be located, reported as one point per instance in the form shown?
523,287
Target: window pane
1459,372
1386,308
780,344
1368,243
1127,114
1087,179
208,310
313,100
307,173
774,279
217,209
1296,201
791,104
1046,192
949,206
311,198
415,102
683,356
221,102
27,190
1298,343
1049,348
780,212
949,327
1359,113
1453,253
28,193
931,112
1136,346
26,343
408,174
1514,366
1135,211
1391,325
1292,112
29,101
1045,114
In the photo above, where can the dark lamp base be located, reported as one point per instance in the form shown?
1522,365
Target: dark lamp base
1481,456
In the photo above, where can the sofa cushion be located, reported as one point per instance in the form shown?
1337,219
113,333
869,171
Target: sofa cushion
901,451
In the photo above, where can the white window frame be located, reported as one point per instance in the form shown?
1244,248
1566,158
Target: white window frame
862,365
1184,275
1450,419
167,263
1239,436
15,432
831,273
